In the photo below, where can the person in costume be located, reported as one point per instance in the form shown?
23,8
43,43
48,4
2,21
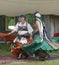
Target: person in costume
41,43
24,35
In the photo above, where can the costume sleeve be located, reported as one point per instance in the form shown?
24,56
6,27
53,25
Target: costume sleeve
30,29
15,29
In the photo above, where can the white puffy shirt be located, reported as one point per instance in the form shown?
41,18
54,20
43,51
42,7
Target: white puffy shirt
30,29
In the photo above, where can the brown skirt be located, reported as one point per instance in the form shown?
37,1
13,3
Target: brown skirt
17,50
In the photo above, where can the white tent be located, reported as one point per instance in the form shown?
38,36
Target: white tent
17,7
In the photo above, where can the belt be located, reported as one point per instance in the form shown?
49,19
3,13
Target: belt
19,36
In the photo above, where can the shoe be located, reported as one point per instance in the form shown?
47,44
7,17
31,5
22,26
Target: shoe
19,57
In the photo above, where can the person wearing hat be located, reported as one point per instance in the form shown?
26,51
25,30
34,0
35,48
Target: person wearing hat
39,24
24,34
41,44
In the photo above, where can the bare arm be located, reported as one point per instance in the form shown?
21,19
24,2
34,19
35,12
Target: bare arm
40,28
12,32
38,25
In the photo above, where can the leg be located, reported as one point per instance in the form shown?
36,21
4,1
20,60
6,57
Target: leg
24,55
43,55
17,50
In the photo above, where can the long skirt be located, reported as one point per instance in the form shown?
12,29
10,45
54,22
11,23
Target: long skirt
37,45
17,49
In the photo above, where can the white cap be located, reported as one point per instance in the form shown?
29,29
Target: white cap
37,15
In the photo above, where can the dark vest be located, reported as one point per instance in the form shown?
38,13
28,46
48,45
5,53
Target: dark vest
23,28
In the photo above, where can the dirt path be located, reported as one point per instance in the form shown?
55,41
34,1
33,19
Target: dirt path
11,59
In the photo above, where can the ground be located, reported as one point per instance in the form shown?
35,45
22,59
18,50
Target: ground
7,57
11,59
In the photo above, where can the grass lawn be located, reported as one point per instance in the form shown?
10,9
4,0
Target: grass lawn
35,63
4,49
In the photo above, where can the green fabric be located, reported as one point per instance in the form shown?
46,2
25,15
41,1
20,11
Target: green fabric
55,39
37,45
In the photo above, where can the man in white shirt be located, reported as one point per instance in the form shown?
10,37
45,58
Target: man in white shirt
24,34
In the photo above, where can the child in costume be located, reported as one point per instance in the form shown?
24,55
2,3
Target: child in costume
24,35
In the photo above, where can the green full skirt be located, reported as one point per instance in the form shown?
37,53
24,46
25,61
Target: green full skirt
37,45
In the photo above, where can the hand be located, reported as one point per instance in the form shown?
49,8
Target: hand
9,33
41,40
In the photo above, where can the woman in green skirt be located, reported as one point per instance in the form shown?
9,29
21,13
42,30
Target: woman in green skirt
41,44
